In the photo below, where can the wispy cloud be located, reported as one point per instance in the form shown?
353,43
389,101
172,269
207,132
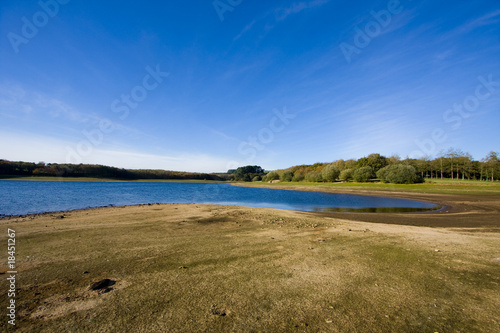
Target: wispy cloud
283,13
280,14
58,108
16,101
400,20
373,134
45,114
485,20
12,101
488,19
245,29
223,135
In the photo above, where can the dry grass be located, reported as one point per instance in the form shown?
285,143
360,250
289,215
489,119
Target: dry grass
216,268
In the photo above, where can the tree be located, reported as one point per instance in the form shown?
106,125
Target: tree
273,175
350,164
421,165
399,174
464,163
375,161
394,159
492,162
286,176
340,164
453,154
441,156
346,175
247,173
330,173
298,176
314,176
363,174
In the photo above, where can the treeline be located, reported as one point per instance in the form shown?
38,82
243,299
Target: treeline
9,168
452,164
247,173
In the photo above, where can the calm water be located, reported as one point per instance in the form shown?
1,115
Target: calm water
26,197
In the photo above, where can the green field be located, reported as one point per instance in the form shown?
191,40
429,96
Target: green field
473,187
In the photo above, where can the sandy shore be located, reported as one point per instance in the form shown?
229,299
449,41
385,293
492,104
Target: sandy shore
461,211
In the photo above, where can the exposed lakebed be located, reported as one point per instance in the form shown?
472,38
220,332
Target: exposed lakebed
30,197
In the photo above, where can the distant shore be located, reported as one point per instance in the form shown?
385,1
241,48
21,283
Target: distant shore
90,179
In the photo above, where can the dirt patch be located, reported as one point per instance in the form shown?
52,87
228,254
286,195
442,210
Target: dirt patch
60,305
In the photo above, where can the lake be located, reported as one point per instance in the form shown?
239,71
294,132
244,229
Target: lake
29,197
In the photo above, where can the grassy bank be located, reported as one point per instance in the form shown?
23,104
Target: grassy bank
189,268
435,186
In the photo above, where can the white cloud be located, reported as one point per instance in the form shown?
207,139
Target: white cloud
36,148
15,102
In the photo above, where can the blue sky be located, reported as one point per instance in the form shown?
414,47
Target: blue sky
211,85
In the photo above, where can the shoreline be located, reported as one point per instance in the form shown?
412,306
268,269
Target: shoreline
458,210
